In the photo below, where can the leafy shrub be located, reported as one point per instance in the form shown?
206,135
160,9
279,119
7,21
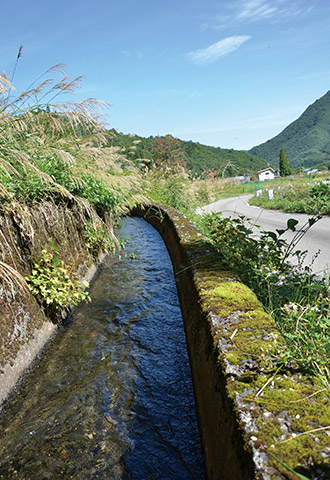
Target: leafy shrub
54,283
59,171
320,194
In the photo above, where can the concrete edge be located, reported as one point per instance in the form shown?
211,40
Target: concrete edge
248,424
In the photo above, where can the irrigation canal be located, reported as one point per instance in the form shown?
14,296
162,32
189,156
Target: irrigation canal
111,397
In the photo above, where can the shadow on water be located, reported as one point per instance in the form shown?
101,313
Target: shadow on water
111,397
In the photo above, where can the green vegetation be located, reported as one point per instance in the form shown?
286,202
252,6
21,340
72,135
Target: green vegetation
198,159
54,283
61,153
100,239
53,151
300,195
306,140
285,169
297,300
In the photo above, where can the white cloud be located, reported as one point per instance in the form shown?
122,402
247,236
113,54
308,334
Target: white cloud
245,11
218,49
255,9
138,55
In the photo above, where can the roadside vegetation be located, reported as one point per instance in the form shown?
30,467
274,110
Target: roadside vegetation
298,194
296,299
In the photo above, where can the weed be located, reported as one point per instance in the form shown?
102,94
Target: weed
52,150
100,239
298,300
54,283
299,197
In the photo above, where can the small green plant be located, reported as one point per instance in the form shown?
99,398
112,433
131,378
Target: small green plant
102,197
297,299
54,283
298,475
98,239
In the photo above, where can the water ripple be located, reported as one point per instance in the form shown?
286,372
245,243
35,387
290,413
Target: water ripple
112,395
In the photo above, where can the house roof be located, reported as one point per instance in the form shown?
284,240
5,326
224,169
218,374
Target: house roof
266,169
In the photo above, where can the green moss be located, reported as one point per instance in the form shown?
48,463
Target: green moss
232,358
224,295
238,294
305,413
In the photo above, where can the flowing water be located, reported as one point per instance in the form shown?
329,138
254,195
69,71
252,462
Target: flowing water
111,397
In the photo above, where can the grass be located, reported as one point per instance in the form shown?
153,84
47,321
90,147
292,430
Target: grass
297,300
300,194
56,151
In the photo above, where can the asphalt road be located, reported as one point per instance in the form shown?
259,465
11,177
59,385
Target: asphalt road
317,238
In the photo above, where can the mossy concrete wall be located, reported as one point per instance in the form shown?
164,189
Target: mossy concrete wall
25,327
252,416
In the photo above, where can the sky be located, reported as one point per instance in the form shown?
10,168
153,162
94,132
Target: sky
230,73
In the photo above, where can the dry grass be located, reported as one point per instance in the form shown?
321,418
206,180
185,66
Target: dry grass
32,124
13,279
211,189
35,125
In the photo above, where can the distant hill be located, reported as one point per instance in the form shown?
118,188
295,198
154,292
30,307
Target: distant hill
306,141
199,158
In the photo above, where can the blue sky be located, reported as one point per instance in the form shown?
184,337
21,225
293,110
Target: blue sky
230,73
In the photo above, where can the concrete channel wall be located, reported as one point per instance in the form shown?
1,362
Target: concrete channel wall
25,326
253,414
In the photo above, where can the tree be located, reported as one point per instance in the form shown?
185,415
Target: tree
284,164
168,152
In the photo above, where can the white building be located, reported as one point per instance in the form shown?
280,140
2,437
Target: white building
266,174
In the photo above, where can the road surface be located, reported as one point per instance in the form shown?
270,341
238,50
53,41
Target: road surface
317,238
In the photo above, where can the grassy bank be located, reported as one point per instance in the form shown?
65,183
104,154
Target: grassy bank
54,155
296,299
300,194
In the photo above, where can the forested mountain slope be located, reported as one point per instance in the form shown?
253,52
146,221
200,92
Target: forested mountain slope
306,141
198,158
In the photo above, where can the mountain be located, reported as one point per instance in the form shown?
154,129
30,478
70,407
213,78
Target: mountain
306,141
203,157
198,158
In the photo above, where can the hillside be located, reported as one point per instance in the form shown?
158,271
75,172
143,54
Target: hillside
306,141
198,158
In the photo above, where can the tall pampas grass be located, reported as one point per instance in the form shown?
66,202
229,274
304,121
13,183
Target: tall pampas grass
36,125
